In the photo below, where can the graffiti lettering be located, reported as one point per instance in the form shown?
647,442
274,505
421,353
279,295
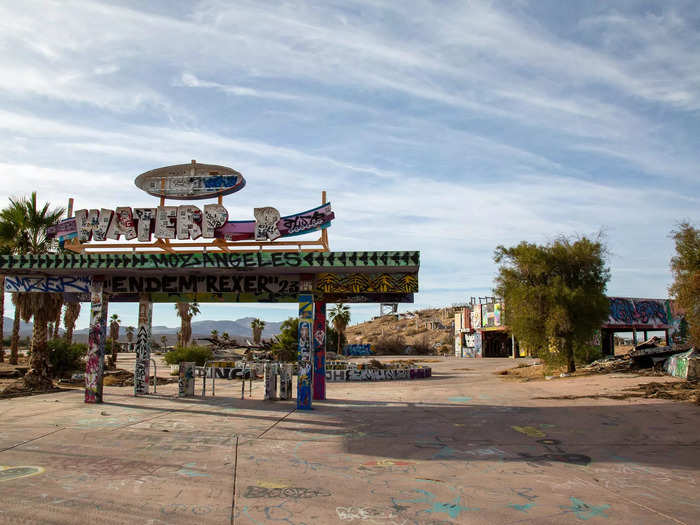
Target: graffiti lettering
284,492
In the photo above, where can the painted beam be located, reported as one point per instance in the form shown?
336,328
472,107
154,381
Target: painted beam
319,342
306,318
49,263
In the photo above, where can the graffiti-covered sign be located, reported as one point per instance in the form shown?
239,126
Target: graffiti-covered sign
223,283
628,311
190,181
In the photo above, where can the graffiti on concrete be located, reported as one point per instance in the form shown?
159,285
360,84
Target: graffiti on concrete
8,473
143,347
186,381
94,368
253,491
52,284
358,349
305,377
627,311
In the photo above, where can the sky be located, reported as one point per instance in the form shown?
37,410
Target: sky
449,127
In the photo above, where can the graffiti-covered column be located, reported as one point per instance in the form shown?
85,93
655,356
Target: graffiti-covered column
94,368
319,374
142,367
306,318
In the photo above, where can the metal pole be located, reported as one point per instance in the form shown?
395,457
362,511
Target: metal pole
204,380
243,380
213,381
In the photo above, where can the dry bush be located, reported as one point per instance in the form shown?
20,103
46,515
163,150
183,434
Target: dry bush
389,345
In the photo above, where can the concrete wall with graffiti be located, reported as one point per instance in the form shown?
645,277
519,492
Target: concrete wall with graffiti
627,313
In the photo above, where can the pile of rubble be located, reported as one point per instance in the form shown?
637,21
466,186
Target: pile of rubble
677,360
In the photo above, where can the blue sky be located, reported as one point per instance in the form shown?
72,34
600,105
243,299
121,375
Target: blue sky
447,127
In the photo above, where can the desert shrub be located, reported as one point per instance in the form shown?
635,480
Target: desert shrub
423,346
195,354
585,354
65,358
375,363
389,345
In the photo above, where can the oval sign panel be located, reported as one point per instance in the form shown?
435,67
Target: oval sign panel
190,181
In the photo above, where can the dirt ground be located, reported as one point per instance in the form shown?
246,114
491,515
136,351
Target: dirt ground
462,447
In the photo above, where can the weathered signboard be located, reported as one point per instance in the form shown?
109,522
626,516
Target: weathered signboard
190,181
187,222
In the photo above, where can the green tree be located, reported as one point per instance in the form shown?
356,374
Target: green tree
286,343
23,227
186,311
257,325
339,316
685,267
214,335
554,294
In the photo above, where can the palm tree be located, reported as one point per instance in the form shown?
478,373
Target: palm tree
114,336
186,311
258,325
164,341
215,335
69,319
41,306
23,227
339,315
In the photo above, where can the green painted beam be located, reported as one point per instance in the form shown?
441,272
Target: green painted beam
246,261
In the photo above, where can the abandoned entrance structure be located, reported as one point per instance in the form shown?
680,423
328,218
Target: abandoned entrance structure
91,268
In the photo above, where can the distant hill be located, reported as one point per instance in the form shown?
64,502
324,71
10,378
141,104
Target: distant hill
239,328
430,328
24,328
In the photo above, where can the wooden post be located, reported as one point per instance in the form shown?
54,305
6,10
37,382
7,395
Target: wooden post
69,213
306,318
143,346
319,390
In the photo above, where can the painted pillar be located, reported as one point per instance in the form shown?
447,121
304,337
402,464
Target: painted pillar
285,381
319,383
142,366
306,318
95,359
271,372
186,380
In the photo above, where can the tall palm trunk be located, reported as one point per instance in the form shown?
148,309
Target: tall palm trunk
38,376
57,324
14,343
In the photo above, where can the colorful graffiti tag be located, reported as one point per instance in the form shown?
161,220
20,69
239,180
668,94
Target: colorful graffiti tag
306,317
627,311
319,336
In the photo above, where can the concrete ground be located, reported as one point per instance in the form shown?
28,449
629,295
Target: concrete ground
465,446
